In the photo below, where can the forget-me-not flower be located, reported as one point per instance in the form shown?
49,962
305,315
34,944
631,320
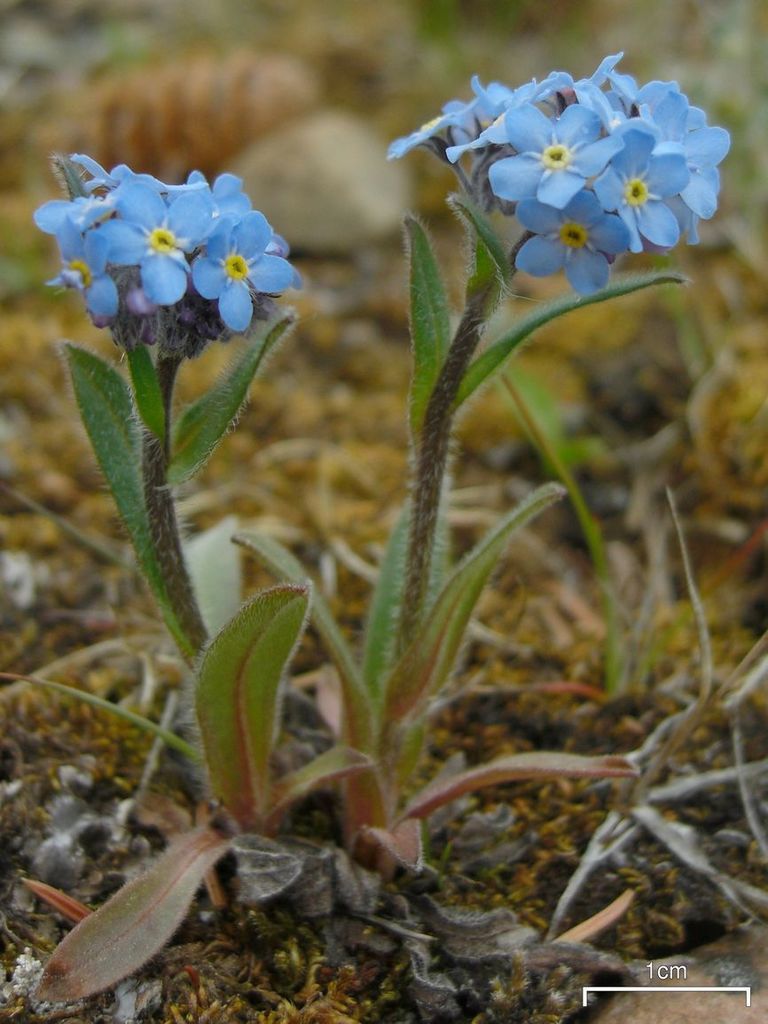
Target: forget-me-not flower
85,262
554,156
637,182
579,239
456,115
236,262
156,236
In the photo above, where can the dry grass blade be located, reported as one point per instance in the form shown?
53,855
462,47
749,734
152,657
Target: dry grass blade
603,919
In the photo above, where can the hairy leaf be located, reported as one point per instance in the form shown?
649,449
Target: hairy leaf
482,368
146,390
384,609
491,258
427,663
402,843
279,560
134,924
238,697
542,765
338,762
430,321
104,400
203,424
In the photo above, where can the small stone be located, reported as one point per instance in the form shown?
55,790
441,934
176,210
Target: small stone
324,183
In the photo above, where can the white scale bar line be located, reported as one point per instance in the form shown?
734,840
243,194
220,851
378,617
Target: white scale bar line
663,988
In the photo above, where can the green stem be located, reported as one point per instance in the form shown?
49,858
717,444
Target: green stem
433,448
590,527
163,522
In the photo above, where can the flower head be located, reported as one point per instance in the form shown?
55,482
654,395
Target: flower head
581,239
237,265
84,268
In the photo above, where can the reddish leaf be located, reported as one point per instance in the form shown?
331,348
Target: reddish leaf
337,763
134,924
542,765
403,842
67,906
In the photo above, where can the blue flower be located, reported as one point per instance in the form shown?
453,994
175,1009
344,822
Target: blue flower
580,238
83,211
554,156
85,261
637,182
237,262
226,192
157,236
456,114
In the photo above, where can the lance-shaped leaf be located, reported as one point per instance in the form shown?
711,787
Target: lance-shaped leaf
492,264
134,924
427,663
430,321
104,401
146,390
280,561
238,697
67,906
482,368
337,763
202,425
384,610
543,765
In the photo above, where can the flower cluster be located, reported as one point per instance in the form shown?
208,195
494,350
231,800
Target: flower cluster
174,265
591,168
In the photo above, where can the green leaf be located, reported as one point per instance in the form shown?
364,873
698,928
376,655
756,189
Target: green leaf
338,762
237,697
538,764
280,561
202,425
384,609
491,258
430,321
482,368
134,924
146,390
105,405
213,562
427,663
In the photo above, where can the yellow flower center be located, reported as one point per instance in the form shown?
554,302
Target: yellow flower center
162,241
636,192
573,235
236,266
82,268
556,157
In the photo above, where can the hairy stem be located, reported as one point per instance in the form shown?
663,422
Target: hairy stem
432,451
163,522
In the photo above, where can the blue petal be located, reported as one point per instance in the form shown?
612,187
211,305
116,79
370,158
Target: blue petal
236,306
668,174
578,125
541,256
558,188
528,130
96,249
587,271
515,177
50,216
658,224
140,204
164,279
101,297
629,220
535,216
609,189
252,235
209,277
219,243
584,208
633,159
190,217
127,242
592,159
609,234
271,274
700,196
706,147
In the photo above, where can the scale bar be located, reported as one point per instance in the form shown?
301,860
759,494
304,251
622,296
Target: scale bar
746,989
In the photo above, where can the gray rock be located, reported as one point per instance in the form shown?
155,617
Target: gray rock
325,184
